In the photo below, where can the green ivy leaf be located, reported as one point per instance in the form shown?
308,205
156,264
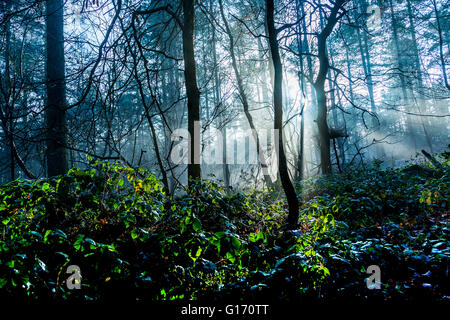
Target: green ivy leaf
235,242
77,244
6,220
197,224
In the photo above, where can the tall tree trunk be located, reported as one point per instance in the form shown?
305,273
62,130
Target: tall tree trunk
363,43
302,85
418,72
56,90
349,71
324,135
193,94
217,99
441,44
401,67
309,62
412,29
165,181
9,110
342,141
263,71
225,168
319,85
146,106
333,103
278,117
243,96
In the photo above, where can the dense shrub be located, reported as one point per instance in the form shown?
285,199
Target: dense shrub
132,241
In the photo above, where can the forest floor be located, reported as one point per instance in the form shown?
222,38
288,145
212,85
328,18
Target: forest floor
133,242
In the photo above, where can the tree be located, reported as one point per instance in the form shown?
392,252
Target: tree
401,65
193,94
441,43
56,90
286,183
244,99
128,90
319,85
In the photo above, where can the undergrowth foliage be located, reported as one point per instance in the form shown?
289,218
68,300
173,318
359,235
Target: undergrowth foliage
134,242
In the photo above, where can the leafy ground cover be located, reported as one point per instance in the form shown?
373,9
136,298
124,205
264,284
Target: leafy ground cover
134,243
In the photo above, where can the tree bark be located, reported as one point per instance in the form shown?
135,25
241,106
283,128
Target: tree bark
366,61
441,44
217,98
288,187
319,85
302,85
9,110
193,94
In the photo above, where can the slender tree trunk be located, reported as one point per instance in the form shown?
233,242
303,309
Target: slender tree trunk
324,135
193,94
263,68
9,109
278,117
307,51
56,90
243,96
412,28
366,61
225,168
12,162
205,107
418,72
310,71
7,113
333,108
217,98
301,151
441,44
165,181
401,67
343,125
319,85
303,88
